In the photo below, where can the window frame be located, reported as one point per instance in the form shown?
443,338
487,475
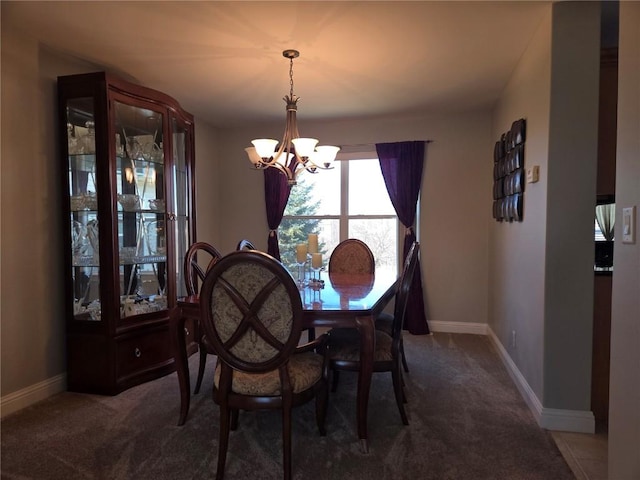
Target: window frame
343,161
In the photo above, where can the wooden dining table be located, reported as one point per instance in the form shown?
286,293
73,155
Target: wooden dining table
341,300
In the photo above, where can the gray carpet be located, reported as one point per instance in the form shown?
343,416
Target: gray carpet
467,421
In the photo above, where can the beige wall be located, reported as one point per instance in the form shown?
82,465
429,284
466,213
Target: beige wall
31,309
624,405
455,206
542,269
517,250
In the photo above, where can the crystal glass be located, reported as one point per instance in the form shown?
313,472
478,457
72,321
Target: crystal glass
87,143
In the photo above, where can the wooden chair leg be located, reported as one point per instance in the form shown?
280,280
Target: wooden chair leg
234,419
322,399
335,377
201,365
404,358
286,442
396,376
223,446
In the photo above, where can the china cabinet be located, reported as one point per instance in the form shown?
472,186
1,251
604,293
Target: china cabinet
128,163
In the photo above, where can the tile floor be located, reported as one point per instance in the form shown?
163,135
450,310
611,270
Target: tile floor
585,453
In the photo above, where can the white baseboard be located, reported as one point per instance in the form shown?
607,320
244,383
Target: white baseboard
550,418
458,327
32,394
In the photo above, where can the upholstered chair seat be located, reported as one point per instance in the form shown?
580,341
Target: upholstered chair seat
345,345
305,370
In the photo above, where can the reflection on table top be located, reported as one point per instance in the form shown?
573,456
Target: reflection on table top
346,292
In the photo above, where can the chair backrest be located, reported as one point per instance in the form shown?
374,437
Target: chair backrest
404,287
352,256
251,311
193,271
245,244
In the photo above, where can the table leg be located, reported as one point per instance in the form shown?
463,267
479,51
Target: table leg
366,328
182,366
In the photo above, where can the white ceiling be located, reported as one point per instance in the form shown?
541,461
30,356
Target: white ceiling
223,60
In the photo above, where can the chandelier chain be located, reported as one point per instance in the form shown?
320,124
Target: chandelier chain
291,77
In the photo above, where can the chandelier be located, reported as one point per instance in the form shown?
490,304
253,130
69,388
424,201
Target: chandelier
293,154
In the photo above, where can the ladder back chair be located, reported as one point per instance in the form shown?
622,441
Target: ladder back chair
198,254
344,343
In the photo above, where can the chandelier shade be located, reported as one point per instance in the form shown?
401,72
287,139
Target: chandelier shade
293,154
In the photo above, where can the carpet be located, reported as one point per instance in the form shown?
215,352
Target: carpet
467,421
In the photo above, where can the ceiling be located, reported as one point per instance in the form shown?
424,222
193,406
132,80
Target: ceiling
223,60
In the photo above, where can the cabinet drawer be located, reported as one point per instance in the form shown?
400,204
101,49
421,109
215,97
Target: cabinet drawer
140,353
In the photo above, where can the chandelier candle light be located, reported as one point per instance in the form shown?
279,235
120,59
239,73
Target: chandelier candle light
294,153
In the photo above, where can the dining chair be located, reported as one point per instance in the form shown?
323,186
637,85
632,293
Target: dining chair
193,275
355,256
245,244
252,314
344,343
352,256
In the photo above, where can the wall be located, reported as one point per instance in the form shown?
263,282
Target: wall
32,296
624,397
455,204
32,320
571,194
517,250
542,269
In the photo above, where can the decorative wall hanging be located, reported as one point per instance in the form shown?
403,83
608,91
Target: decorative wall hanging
509,175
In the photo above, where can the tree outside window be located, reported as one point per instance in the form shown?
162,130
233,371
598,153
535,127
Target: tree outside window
348,201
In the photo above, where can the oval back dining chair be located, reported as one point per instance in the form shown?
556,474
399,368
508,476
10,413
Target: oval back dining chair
352,256
355,256
344,343
245,244
252,314
198,254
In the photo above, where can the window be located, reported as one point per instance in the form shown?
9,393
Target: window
348,201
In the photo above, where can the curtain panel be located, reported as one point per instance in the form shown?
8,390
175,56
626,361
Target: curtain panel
276,195
606,216
401,164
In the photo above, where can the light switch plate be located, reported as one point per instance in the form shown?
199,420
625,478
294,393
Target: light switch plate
629,225
533,174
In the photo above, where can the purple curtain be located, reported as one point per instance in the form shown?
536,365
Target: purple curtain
276,195
401,164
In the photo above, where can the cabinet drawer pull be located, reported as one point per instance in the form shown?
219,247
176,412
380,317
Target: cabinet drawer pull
186,332
137,352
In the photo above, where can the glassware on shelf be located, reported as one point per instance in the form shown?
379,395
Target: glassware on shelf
72,141
157,204
92,235
79,242
156,240
119,146
128,254
133,148
87,143
129,202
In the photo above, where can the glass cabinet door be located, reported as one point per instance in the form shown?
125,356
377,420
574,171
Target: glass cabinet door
141,209
181,201
83,203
